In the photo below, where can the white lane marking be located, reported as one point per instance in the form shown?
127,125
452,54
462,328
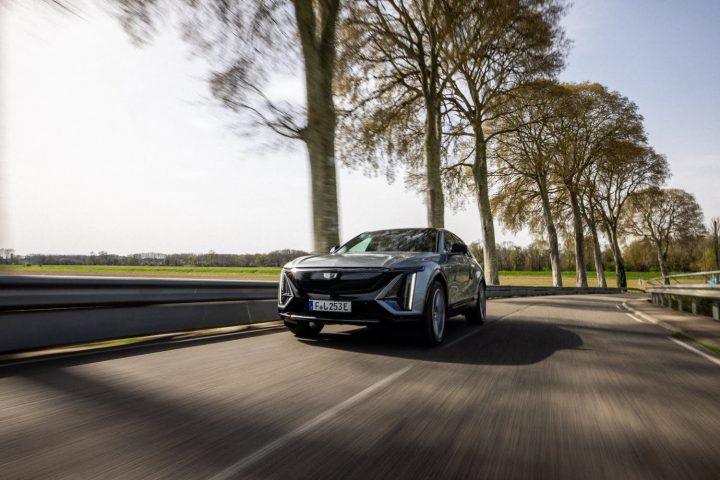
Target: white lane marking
460,339
245,462
693,349
640,314
681,343
635,318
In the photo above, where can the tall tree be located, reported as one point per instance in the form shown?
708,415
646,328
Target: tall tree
525,160
664,216
627,167
391,70
246,41
590,117
497,47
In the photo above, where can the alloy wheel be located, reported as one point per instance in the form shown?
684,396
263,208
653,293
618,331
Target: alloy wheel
438,314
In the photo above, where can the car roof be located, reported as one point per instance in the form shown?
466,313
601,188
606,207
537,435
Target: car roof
405,229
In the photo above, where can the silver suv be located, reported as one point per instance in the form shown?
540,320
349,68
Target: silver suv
420,275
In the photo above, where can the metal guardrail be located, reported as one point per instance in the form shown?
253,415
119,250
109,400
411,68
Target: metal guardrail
33,293
700,298
38,312
711,277
25,293
505,291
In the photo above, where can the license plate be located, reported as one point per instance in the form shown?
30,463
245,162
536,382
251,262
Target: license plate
329,306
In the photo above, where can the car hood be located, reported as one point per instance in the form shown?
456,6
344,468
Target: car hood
360,260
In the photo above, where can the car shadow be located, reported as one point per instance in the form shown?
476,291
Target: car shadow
507,342
11,368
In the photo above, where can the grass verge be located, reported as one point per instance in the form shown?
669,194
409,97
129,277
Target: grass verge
687,338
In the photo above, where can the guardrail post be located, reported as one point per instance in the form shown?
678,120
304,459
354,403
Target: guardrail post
716,310
694,306
679,303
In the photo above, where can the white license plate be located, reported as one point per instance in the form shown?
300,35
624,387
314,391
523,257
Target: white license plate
329,306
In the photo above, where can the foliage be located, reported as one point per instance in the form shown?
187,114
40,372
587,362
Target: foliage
664,217
249,42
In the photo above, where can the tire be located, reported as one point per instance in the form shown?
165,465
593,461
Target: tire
435,315
476,315
305,329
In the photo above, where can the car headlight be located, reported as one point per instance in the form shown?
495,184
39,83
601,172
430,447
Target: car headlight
285,290
401,291
409,293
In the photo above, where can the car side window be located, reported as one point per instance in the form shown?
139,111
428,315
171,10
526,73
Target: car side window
448,243
451,238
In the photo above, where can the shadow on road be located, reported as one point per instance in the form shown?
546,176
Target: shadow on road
576,303
12,368
509,342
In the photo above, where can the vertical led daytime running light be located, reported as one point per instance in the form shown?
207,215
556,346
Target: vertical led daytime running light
410,291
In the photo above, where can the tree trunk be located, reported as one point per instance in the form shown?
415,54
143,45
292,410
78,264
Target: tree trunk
480,177
552,236
435,199
597,252
662,261
580,270
716,240
317,37
620,273
324,190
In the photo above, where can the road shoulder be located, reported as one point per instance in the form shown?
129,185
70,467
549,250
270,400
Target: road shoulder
701,331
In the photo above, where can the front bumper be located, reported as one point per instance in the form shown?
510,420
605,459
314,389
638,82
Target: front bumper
364,312
389,300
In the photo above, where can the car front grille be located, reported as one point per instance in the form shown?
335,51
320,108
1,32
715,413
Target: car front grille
340,282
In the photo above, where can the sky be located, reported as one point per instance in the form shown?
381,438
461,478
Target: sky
107,146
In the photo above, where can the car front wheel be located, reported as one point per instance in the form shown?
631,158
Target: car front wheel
435,315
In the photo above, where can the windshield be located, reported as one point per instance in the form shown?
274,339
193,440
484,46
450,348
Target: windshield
420,240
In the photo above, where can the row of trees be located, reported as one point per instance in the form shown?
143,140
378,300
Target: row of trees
416,80
460,93
575,158
690,255
211,259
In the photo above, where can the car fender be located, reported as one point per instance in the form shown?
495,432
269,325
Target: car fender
436,274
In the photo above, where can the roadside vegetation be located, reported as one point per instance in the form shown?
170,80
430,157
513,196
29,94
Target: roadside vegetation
138,270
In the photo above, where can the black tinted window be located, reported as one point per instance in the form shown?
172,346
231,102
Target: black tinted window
420,240
451,238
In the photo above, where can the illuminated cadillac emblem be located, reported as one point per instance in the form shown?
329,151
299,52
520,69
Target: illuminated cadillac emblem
330,276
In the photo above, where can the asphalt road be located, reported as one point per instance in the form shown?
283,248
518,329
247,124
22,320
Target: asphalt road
555,387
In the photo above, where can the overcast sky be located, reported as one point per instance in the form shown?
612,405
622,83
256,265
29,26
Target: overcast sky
110,147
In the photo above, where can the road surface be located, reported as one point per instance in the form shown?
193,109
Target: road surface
553,387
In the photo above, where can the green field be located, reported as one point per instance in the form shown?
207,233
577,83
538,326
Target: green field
271,273
112,270
635,279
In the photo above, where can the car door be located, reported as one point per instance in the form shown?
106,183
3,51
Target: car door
456,271
466,273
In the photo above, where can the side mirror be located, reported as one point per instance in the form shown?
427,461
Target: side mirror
459,248
334,249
